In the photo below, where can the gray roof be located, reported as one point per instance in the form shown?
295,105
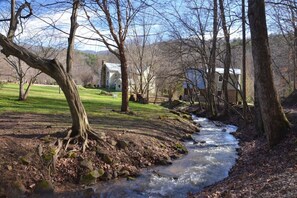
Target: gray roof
113,67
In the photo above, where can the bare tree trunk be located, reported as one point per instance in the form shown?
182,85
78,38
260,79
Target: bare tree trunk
244,102
274,120
295,55
156,95
258,115
21,89
124,68
21,80
25,96
212,64
140,83
148,93
73,27
227,61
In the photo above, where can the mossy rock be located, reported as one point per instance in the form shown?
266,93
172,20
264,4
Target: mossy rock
129,178
186,116
104,156
48,156
87,164
122,144
47,139
19,187
25,160
124,173
44,187
101,172
166,160
71,154
181,148
91,177
107,159
187,137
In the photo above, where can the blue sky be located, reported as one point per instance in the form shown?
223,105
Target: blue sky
37,27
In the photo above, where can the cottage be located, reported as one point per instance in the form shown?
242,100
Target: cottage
111,76
196,79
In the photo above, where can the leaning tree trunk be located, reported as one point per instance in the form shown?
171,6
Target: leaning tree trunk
274,120
25,95
80,124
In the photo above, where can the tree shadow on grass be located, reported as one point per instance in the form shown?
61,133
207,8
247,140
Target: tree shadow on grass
49,124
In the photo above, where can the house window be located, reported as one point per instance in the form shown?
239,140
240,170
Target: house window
220,78
119,86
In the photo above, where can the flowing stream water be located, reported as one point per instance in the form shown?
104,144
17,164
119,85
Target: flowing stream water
209,160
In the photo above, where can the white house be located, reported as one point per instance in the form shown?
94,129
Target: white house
111,76
196,78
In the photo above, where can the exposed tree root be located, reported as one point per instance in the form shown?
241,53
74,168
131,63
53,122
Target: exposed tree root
63,143
83,137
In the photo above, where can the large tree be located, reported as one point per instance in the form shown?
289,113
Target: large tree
211,89
227,59
80,125
114,16
274,121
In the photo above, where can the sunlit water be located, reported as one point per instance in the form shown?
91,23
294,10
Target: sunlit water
207,162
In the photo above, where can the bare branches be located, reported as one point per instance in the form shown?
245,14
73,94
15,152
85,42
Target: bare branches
288,3
73,26
15,17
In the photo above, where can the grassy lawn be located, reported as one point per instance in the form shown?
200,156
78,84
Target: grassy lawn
47,100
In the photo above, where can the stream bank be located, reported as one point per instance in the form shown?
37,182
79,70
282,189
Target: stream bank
212,153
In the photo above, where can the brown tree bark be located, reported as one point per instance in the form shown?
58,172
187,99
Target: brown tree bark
53,68
244,60
212,65
227,60
80,125
26,93
118,15
275,123
294,46
258,115
124,71
73,28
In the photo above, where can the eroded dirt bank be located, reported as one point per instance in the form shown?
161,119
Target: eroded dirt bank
27,152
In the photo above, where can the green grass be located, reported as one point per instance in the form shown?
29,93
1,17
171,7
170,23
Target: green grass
47,100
